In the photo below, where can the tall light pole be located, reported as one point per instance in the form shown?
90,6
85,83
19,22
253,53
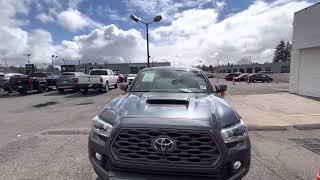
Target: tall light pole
52,57
155,19
64,61
28,55
5,65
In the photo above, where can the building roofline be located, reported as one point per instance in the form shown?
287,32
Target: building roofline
301,10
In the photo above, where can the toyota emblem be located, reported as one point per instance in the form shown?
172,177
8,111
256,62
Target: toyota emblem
163,144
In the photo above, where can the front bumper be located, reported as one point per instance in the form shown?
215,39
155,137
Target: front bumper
108,170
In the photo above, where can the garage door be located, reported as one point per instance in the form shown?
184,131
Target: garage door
309,72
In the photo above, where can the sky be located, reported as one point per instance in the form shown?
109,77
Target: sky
101,31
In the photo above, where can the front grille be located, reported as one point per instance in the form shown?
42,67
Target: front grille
193,148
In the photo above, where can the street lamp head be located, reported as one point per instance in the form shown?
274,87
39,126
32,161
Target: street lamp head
134,18
157,18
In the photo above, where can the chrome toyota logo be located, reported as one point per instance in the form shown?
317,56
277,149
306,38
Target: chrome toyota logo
163,144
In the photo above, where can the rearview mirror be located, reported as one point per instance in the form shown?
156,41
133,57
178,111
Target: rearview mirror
124,86
220,88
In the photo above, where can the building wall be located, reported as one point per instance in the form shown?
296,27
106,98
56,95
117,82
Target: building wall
281,67
306,28
123,68
309,78
305,56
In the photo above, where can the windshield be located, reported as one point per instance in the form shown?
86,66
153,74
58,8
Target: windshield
38,75
68,74
132,75
164,80
98,72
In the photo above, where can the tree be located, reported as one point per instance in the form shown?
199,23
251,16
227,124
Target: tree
280,52
288,51
245,60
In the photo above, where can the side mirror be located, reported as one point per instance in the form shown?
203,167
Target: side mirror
221,88
124,86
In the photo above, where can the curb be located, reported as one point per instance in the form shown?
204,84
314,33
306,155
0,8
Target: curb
267,128
306,126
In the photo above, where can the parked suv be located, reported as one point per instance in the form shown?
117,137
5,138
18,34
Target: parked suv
259,77
169,125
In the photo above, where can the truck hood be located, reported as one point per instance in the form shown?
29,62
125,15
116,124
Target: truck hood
176,109
167,105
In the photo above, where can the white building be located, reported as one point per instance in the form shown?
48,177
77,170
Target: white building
305,61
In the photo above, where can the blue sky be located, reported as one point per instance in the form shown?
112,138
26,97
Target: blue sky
101,30
98,10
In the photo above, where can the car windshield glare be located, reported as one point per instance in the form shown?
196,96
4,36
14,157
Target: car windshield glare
176,81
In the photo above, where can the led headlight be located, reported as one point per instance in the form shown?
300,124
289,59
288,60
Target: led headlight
101,127
235,132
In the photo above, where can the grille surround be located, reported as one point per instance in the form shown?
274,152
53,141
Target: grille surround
205,151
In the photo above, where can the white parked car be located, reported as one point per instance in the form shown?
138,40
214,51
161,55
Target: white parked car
131,77
100,79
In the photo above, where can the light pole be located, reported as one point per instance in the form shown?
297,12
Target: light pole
155,19
28,56
64,61
5,65
52,57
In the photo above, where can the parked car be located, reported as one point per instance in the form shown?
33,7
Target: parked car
169,122
121,78
209,75
12,82
69,80
130,78
318,175
265,72
100,79
47,81
259,77
230,76
241,77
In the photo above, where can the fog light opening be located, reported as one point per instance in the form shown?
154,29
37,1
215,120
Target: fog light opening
98,156
236,165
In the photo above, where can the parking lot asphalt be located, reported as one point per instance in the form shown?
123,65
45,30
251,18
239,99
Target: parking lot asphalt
44,136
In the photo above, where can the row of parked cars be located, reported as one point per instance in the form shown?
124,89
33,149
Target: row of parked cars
251,77
99,79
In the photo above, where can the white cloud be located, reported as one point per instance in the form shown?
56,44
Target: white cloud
74,3
167,8
106,11
45,18
252,32
194,34
111,44
74,20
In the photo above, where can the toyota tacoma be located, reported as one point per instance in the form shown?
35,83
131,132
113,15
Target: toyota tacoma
170,124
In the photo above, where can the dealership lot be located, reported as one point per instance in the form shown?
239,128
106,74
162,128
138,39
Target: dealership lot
44,136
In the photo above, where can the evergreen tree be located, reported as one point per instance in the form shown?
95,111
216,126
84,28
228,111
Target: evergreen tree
280,53
288,51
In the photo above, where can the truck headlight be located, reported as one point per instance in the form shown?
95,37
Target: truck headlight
101,127
235,132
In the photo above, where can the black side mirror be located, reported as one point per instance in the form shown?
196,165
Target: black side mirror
221,88
124,86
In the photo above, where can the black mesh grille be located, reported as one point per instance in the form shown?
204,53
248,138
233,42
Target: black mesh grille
193,148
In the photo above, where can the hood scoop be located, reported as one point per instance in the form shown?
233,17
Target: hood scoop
166,101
